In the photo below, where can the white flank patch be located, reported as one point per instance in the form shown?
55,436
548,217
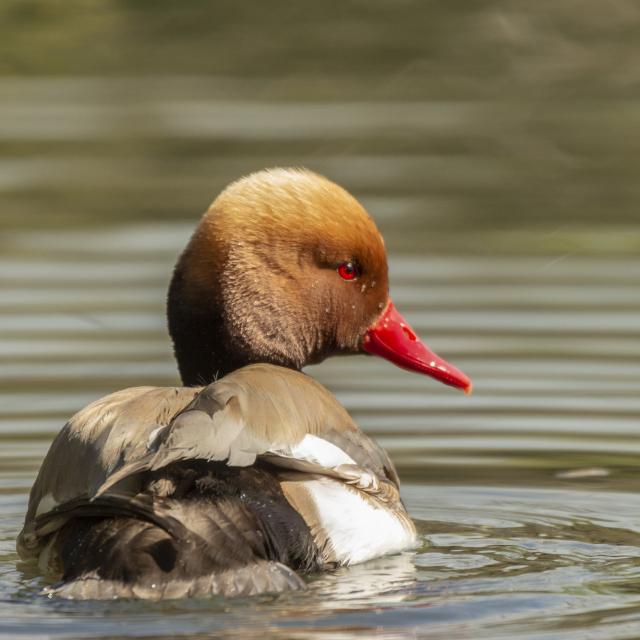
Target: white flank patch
320,451
357,529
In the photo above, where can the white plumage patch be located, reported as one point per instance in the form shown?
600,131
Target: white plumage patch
350,528
315,450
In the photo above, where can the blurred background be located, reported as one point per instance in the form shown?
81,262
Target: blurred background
495,142
486,127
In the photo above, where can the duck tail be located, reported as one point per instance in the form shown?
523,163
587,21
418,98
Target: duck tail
131,558
220,531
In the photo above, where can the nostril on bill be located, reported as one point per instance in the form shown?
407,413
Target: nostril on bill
407,332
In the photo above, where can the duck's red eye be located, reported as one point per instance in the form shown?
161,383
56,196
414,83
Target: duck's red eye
348,271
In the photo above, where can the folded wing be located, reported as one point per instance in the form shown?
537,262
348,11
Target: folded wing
277,415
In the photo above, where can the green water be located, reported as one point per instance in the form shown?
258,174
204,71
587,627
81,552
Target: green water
496,145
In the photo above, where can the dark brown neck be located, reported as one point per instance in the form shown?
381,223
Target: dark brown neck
207,349
198,335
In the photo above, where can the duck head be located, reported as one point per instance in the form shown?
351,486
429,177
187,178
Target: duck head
288,268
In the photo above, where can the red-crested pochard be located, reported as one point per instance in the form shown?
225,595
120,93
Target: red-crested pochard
252,474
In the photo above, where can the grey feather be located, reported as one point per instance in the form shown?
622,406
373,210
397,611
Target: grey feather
241,416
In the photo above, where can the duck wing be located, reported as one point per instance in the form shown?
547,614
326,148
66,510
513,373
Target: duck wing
201,490
104,435
269,413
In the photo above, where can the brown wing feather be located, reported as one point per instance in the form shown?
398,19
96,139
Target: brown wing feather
108,431
236,419
241,416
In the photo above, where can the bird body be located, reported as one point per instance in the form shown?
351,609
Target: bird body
252,474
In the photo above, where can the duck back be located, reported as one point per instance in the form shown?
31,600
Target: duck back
225,489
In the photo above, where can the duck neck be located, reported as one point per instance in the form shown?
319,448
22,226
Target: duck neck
201,346
208,345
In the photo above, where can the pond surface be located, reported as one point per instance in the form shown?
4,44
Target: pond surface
495,143
525,495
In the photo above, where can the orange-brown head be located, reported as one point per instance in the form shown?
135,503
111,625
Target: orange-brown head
285,267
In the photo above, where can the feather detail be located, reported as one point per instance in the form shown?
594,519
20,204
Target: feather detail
256,410
134,451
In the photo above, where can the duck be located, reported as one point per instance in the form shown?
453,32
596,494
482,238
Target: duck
251,475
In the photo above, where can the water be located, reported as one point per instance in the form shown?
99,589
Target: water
513,545
495,145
